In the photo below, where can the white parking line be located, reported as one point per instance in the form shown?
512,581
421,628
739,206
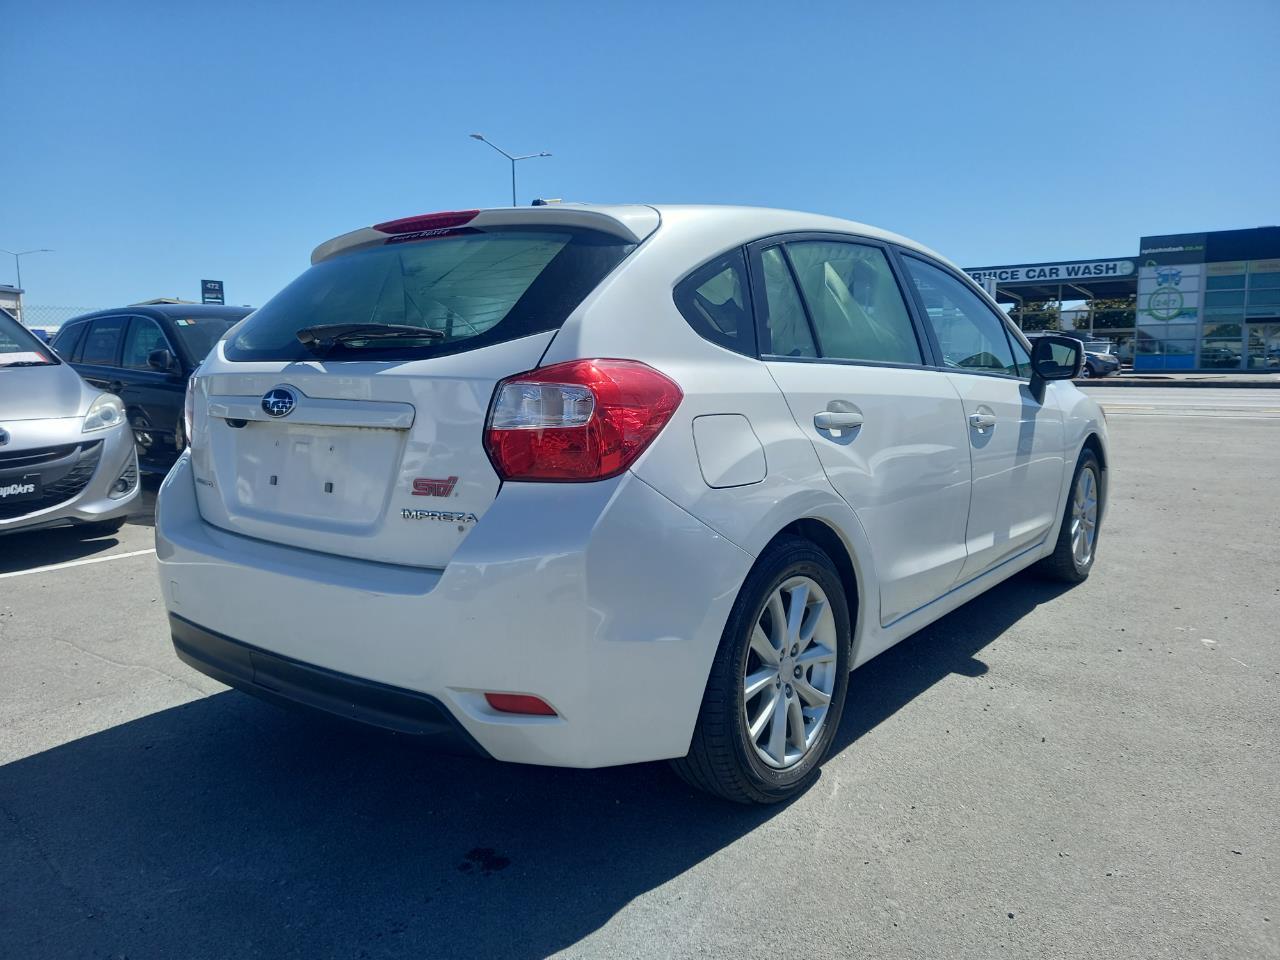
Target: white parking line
76,563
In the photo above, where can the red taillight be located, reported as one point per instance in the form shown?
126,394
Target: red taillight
427,221
577,421
519,703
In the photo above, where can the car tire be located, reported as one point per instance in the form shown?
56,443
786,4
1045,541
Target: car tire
1077,545
102,528
725,757
1086,371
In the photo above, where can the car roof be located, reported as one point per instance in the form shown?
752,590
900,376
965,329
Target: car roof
705,227
169,311
779,220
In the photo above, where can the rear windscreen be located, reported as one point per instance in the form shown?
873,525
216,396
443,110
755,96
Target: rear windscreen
473,287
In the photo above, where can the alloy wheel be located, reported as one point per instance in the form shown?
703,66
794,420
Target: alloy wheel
789,673
1084,517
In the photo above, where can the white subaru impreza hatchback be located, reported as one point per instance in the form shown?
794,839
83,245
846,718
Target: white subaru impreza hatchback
592,485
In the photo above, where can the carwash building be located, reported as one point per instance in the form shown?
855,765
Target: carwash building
1187,301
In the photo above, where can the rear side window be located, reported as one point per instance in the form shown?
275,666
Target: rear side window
857,309
102,344
715,302
472,288
785,321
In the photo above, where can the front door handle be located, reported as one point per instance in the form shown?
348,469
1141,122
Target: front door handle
837,420
982,421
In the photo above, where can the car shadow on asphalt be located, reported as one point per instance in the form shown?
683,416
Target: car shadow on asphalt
226,827
40,548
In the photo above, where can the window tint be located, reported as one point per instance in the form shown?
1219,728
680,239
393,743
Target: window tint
857,309
472,288
103,341
144,336
970,335
785,322
714,301
67,339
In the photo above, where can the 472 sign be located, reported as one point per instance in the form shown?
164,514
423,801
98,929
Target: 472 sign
211,292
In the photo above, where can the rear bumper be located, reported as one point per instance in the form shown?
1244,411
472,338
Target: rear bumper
284,681
606,600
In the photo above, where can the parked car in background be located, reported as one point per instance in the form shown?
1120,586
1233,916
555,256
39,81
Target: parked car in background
1099,361
144,355
1099,364
42,333
591,485
66,452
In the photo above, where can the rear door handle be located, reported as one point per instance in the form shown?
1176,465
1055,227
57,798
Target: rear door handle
837,420
982,421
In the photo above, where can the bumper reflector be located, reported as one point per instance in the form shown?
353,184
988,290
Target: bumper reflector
519,703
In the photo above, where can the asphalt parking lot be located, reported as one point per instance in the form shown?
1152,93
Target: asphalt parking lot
1046,772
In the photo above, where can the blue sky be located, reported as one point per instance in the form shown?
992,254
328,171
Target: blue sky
155,145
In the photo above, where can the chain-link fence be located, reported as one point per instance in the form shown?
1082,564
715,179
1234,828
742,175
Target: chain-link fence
50,317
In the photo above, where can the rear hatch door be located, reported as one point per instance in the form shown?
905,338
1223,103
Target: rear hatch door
373,448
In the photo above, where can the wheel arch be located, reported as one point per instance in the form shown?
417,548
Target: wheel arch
1094,442
825,536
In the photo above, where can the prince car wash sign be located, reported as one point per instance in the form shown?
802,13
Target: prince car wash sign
1068,272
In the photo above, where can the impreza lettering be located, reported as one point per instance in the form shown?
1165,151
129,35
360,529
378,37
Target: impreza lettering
443,515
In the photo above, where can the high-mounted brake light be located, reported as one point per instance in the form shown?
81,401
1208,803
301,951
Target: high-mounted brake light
519,703
577,421
428,221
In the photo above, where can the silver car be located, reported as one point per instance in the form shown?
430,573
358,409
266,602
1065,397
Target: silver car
66,450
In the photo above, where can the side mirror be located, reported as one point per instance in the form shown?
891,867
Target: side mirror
1054,358
162,360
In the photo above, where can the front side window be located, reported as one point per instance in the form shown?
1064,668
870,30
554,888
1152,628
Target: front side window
714,301
102,343
857,309
144,337
970,335
1021,358
461,291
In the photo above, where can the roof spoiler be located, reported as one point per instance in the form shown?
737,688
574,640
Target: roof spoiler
632,222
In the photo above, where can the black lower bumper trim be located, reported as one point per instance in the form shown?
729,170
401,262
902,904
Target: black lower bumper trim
288,682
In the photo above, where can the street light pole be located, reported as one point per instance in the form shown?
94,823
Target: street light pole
17,267
527,156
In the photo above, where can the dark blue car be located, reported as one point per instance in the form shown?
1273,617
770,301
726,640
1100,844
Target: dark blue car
145,354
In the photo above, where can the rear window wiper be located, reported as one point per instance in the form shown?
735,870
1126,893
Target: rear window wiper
323,337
